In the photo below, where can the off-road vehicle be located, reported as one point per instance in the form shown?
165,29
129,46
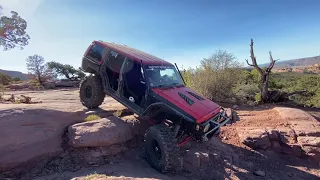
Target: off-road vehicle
153,88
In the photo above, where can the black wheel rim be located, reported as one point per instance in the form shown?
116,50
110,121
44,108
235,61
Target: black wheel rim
88,92
156,151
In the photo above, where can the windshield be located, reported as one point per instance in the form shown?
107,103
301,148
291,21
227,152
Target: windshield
163,76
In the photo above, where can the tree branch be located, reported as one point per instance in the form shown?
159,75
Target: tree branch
272,62
248,63
296,92
253,59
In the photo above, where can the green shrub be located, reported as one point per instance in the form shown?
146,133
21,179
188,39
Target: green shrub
35,85
2,89
257,97
4,79
92,117
221,78
215,77
292,81
16,101
16,79
245,92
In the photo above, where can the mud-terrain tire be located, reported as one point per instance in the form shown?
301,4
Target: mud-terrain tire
91,92
160,137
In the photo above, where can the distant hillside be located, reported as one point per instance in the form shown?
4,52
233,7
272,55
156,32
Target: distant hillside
13,74
301,62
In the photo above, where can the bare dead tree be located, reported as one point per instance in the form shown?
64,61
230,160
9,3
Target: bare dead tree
264,73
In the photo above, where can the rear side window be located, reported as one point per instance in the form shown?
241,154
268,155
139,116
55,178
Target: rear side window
115,61
96,52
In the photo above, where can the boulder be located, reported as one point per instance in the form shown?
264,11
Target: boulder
19,86
232,115
309,141
194,159
29,135
310,144
256,138
67,83
49,85
102,132
286,135
273,134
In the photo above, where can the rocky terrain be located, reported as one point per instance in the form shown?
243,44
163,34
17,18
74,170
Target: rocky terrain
293,63
315,69
51,140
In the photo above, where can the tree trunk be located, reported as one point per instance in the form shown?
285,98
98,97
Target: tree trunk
264,88
264,93
40,80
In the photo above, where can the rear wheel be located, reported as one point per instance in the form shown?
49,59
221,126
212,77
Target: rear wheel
161,148
91,92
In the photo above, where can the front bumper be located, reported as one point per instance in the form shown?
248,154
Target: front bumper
215,123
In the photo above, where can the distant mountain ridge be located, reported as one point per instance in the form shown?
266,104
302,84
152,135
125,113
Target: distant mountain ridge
301,62
293,63
13,74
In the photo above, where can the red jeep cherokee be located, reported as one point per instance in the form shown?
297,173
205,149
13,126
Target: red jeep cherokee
154,88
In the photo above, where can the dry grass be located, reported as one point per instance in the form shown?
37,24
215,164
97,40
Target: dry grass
95,176
16,101
92,117
123,112
118,113
2,89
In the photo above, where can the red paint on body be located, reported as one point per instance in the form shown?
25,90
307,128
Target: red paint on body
201,110
134,54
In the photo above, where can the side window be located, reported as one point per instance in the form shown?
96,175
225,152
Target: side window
115,61
133,73
96,52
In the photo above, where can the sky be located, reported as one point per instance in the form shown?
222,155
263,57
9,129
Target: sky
180,31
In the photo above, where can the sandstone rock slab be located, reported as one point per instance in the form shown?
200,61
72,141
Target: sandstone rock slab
102,132
309,141
27,135
310,144
293,114
256,138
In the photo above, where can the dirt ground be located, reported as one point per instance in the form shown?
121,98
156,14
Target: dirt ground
227,157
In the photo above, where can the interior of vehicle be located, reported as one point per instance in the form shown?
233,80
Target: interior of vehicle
115,61
134,84
134,87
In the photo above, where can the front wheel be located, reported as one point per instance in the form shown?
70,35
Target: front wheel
161,148
91,92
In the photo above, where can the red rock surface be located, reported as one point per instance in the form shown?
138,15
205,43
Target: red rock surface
30,134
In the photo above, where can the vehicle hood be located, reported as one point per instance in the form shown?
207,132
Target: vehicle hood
189,101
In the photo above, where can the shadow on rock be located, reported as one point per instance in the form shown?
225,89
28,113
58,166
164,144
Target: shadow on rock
217,160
